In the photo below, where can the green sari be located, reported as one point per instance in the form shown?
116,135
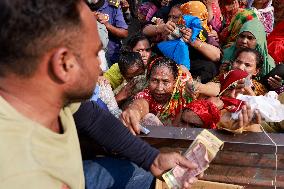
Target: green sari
257,29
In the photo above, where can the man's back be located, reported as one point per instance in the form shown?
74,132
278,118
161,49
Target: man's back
32,155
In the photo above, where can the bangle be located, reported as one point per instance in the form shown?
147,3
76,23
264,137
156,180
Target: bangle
201,44
156,29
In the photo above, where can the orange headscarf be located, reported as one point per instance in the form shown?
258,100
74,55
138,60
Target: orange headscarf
198,9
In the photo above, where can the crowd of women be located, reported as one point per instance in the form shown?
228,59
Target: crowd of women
189,62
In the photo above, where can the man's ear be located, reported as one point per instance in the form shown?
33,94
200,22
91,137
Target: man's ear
62,64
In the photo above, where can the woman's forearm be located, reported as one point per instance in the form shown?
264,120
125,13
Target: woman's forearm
153,30
209,89
209,51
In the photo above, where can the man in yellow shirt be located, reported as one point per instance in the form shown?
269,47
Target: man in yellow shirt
45,64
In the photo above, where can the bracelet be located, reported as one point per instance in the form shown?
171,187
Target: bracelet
201,44
156,29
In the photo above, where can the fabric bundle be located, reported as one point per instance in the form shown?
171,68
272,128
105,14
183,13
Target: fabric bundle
198,9
178,49
231,78
206,111
269,108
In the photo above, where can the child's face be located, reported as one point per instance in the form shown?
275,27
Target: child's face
174,15
132,72
144,48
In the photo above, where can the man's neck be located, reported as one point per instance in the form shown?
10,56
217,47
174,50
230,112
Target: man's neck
30,100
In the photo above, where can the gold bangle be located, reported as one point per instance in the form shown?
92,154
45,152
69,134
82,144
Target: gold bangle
156,29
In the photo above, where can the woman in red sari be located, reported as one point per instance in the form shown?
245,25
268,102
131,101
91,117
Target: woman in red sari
165,96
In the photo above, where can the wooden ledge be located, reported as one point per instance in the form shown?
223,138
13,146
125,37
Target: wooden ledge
177,137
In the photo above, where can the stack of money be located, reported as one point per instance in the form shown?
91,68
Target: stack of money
201,152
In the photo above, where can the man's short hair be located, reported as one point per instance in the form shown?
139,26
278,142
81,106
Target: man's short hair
29,28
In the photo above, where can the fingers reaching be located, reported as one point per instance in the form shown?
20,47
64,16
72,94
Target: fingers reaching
275,82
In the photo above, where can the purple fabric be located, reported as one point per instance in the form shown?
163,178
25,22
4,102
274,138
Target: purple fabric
215,24
116,19
212,41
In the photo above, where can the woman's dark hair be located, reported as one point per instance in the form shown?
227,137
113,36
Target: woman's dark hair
132,42
258,56
129,59
163,61
30,28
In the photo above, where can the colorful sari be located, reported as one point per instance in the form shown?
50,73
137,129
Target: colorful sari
265,15
276,43
256,28
228,11
178,101
243,16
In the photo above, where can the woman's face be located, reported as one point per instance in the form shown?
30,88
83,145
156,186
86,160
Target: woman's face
174,15
246,61
246,40
230,5
143,47
161,84
260,3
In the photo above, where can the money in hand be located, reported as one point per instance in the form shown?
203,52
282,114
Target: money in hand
201,152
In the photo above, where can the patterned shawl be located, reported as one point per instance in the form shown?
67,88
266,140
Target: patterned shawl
265,15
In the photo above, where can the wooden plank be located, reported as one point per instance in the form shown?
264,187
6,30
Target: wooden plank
244,175
247,142
247,160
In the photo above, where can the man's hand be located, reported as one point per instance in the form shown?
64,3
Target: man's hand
166,161
275,82
131,118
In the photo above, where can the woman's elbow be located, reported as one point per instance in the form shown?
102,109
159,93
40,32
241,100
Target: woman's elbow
216,55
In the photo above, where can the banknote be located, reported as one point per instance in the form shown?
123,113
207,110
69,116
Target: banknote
202,151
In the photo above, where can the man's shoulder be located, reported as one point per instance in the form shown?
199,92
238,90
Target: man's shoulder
73,107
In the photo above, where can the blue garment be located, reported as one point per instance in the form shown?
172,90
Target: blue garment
178,49
96,93
96,99
116,19
106,172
